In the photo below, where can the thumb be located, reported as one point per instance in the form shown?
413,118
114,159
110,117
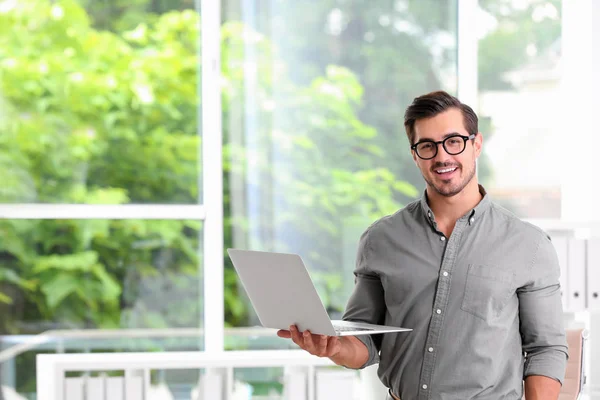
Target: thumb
284,334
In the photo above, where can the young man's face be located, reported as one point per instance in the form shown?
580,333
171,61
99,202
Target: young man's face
445,173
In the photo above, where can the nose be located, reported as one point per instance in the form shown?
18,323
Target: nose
442,155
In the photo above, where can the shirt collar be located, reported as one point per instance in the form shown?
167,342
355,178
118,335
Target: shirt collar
477,211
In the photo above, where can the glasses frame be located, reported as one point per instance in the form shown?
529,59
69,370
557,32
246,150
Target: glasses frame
443,143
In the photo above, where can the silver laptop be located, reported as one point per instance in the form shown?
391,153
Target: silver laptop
282,293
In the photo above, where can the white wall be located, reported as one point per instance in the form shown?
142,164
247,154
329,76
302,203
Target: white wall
579,177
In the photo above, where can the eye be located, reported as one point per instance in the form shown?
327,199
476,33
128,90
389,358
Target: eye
453,141
425,146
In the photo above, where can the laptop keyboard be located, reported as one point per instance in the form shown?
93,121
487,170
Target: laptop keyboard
350,328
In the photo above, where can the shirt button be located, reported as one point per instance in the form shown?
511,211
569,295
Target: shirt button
430,349
438,311
472,220
442,238
424,386
445,273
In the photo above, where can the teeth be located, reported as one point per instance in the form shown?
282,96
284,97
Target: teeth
443,171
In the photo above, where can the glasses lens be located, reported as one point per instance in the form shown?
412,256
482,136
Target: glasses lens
426,149
454,144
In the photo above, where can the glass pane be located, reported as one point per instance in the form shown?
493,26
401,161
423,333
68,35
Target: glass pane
314,96
99,101
95,286
519,95
179,383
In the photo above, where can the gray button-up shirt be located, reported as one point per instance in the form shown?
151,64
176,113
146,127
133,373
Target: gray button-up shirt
484,304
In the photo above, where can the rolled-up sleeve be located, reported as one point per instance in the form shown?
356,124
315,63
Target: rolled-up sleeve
541,316
367,303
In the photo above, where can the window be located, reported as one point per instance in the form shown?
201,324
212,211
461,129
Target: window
314,97
520,100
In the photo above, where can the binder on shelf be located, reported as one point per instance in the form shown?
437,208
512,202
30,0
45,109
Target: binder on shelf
561,246
593,273
576,266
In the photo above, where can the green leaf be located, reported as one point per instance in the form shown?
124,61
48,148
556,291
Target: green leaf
12,277
110,287
5,299
57,288
83,261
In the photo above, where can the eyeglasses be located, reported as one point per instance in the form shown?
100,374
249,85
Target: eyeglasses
428,149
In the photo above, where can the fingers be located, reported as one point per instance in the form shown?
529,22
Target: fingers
318,345
282,333
333,346
296,336
309,344
322,345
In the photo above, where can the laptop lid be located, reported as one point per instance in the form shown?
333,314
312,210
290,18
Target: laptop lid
281,291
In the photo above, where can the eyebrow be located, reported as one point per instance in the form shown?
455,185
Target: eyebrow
443,137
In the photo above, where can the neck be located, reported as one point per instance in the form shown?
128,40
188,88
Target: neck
449,209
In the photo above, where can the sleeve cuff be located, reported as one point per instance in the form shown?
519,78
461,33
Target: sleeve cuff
551,364
373,353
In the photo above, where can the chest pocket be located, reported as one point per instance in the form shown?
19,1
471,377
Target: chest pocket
487,291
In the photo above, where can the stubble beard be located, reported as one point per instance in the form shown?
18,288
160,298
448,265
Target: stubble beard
452,190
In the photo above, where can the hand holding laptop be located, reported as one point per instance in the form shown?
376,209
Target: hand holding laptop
342,350
318,345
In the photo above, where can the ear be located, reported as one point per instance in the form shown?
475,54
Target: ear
478,144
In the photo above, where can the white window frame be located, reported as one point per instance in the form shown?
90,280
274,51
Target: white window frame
580,82
102,211
212,143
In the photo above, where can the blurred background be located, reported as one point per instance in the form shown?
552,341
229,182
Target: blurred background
102,231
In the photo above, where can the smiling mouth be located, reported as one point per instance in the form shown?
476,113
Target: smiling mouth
445,171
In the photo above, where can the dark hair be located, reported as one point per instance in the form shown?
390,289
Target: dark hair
431,104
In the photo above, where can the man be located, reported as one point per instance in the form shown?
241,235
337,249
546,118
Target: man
479,287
